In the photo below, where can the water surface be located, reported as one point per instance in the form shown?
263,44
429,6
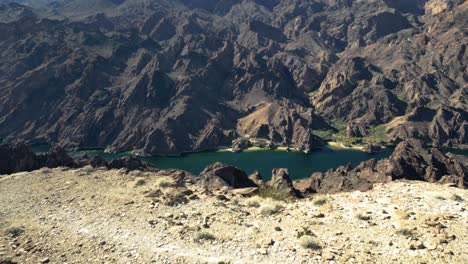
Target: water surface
300,165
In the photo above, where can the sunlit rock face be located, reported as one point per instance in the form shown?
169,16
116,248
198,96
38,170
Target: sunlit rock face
166,77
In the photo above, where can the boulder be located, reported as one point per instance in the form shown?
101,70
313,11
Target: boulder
373,148
57,156
218,176
17,157
130,163
257,178
240,144
281,180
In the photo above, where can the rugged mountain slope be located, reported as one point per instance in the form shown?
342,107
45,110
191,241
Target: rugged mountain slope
174,76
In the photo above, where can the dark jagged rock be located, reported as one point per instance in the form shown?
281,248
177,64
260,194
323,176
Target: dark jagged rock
372,148
357,130
240,144
194,75
444,126
410,160
281,180
57,156
18,157
219,175
257,178
130,163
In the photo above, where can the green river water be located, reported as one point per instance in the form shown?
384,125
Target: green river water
300,165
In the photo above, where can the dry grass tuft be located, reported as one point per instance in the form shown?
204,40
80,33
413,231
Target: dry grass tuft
203,236
308,242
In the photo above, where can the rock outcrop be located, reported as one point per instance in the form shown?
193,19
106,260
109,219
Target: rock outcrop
158,77
20,157
357,130
280,180
218,176
410,161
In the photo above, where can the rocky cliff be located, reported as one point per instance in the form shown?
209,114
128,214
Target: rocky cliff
166,77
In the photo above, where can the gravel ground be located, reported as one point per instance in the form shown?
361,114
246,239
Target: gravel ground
97,216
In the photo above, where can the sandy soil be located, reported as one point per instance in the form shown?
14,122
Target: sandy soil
98,216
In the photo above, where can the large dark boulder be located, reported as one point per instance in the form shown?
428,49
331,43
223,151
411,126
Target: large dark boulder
281,180
56,157
20,157
17,157
219,175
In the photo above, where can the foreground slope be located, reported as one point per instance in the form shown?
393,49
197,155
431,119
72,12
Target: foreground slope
77,215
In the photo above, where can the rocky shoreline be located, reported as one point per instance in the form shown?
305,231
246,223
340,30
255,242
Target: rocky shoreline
410,160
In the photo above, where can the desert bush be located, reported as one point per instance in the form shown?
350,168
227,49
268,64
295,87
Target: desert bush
363,217
405,232
254,201
305,232
308,242
457,198
270,207
320,201
203,236
165,182
14,231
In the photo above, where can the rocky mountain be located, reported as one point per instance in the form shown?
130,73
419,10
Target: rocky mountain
166,77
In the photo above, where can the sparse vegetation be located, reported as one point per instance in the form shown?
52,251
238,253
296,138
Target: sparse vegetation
305,232
14,231
270,207
439,197
203,236
165,182
405,232
275,194
457,198
254,201
308,242
363,217
324,134
139,182
378,134
320,201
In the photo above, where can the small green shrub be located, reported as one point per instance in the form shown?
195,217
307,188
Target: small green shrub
308,242
270,208
457,198
203,236
254,201
305,232
405,232
320,201
363,217
14,231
